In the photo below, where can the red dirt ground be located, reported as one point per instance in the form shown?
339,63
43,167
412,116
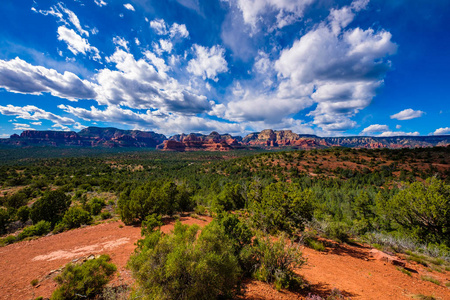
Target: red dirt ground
347,268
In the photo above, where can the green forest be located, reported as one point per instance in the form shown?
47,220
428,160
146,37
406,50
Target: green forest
263,203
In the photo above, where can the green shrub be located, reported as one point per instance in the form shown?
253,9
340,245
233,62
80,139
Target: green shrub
84,281
7,240
337,230
105,215
17,200
275,261
423,210
314,244
51,207
23,213
75,217
282,207
180,266
150,223
200,210
96,205
4,219
41,228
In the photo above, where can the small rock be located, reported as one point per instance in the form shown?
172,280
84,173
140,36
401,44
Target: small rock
393,260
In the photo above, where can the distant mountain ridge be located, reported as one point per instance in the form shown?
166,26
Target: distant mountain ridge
267,139
88,137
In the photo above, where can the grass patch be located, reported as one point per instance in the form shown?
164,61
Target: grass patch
431,279
34,282
447,284
418,259
404,271
437,269
377,246
316,245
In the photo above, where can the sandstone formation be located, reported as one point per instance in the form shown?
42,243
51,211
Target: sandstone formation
195,142
266,139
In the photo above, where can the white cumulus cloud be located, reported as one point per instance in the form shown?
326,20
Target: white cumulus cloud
20,126
375,128
31,112
18,76
286,11
208,62
408,114
76,44
399,133
144,84
442,131
65,16
129,6
100,3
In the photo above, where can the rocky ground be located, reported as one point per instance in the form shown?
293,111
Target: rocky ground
350,268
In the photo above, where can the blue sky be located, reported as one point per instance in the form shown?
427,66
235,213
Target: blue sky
322,67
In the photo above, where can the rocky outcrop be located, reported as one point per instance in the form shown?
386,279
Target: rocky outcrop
50,138
387,258
267,139
388,142
196,142
283,138
286,138
89,137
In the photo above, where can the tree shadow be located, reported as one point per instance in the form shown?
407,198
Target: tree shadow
324,290
356,251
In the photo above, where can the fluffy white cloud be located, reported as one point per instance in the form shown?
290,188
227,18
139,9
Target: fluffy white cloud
163,46
178,30
144,84
399,133
286,11
343,70
408,114
442,131
100,3
19,76
208,62
121,42
19,126
31,112
129,6
339,69
168,124
174,31
61,127
254,106
67,16
375,128
340,18
76,44
159,26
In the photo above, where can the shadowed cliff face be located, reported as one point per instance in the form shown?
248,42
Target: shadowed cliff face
89,137
267,139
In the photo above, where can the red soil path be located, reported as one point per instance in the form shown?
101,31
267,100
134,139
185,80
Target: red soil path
347,268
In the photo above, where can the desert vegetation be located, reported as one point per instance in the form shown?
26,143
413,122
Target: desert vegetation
264,206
